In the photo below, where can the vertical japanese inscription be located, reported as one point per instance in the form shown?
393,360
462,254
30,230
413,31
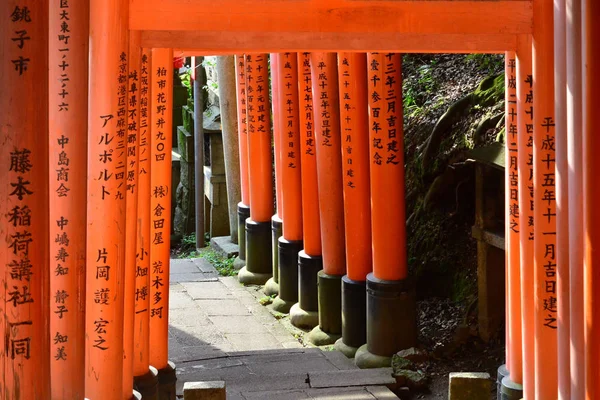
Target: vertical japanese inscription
290,91
307,110
346,114
512,147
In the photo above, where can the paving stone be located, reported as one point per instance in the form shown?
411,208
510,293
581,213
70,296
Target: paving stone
182,266
381,393
207,290
340,394
292,365
359,377
188,317
203,265
180,300
276,395
292,344
238,324
257,383
194,277
224,246
175,287
252,341
181,354
222,307
249,356
340,360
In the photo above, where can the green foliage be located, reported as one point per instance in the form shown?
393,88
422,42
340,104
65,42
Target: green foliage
414,94
186,80
222,264
486,62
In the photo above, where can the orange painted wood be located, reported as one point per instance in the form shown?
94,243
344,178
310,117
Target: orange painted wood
240,81
329,160
259,138
575,176
363,16
277,128
141,332
544,183
354,121
591,191
526,202
562,202
512,223
290,166
131,201
24,173
161,114
311,222
68,106
106,210
386,145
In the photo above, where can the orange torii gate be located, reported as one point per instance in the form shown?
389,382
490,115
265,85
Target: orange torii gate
525,27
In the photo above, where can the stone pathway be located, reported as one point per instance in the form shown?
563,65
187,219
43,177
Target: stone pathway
219,331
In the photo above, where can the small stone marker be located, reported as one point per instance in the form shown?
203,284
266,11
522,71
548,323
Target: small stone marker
469,386
214,390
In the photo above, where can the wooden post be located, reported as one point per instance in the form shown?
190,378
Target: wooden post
24,173
396,330
526,200
544,187
591,193
272,285
258,267
354,121
244,205
310,261
68,118
145,376
331,204
575,177
161,81
107,165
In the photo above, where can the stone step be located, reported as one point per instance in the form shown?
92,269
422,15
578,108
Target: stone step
346,378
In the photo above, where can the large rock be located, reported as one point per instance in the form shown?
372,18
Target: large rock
413,354
416,380
399,363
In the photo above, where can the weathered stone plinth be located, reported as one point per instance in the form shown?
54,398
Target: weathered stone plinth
258,254
272,286
330,310
354,316
166,382
147,384
469,386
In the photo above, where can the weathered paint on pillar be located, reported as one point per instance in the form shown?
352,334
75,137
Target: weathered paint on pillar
354,121
575,176
141,333
526,201
290,147
131,201
107,165
24,177
311,224
591,191
329,160
259,138
512,225
68,101
161,111
387,166
240,81
562,202
544,184
274,59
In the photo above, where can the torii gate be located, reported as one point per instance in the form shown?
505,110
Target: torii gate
553,346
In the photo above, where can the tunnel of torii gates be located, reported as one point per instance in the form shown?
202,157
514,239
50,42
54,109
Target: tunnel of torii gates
85,116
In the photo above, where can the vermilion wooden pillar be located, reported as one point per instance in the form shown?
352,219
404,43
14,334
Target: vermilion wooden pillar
259,266
511,385
68,101
107,166
244,205
290,243
331,205
526,200
145,375
310,261
161,81
272,286
591,191
354,121
391,319
575,176
25,362
544,186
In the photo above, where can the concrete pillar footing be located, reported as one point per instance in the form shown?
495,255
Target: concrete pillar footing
167,380
303,319
276,233
147,384
501,374
511,390
346,350
281,305
238,263
319,337
250,278
243,215
354,312
258,254
364,359
288,269
271,287
330,310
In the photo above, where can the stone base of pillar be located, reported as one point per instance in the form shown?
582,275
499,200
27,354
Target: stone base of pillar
271,287
330,310
147,384
363,358
288,269
276,232
258,254
166,382
305,313
502,373
243,215
354,316
511,390
343,348
281,305
391,317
